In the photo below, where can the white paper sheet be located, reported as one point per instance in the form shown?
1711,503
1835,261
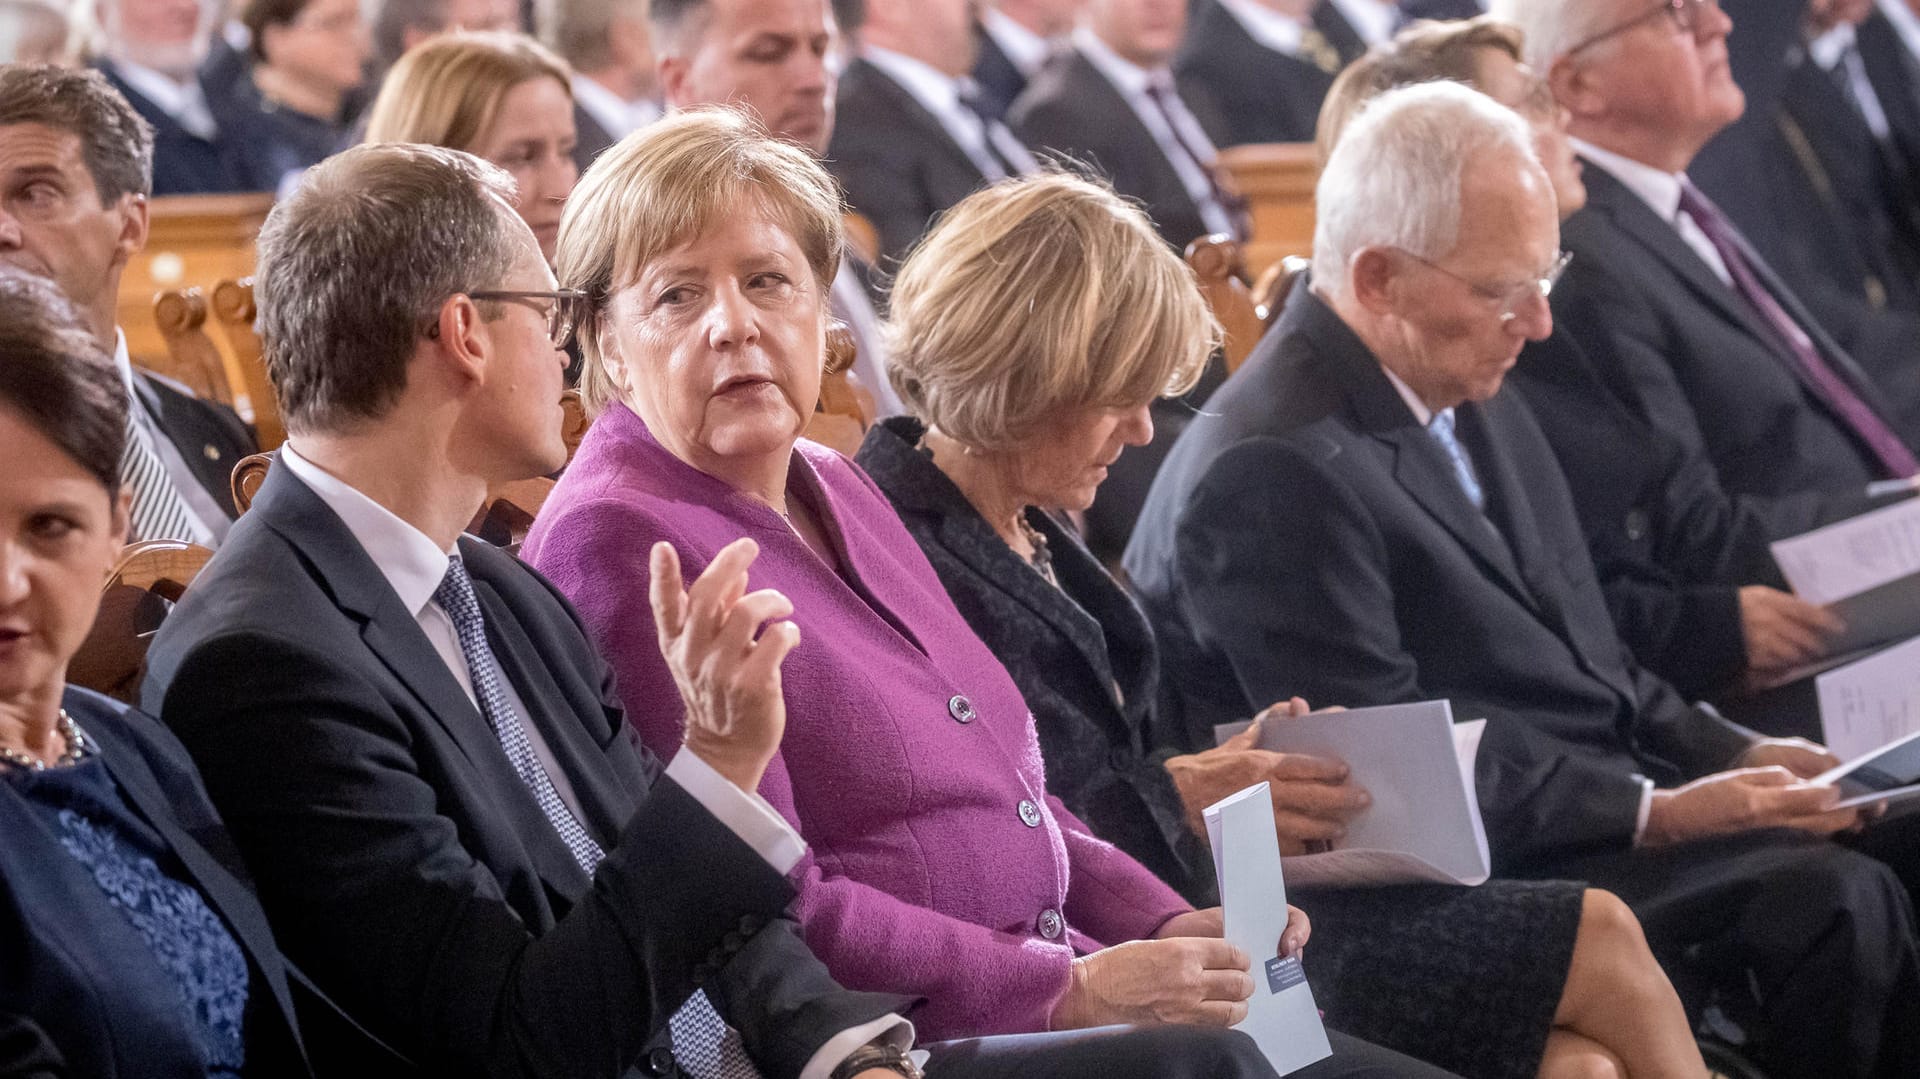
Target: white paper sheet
1282,1018
1871,702
1424,823
1852,556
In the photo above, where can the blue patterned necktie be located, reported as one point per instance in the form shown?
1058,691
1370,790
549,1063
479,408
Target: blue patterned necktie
706,1047
1441,428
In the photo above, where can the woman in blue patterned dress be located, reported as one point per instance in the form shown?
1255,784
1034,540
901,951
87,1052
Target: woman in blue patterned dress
126,947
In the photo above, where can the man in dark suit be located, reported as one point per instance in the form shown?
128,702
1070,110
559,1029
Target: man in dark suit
1363,517
1666,292
67,137
1441,9
1260,66
151,50
1350,26
614,88
1111,103
1014,38
423,757
913,135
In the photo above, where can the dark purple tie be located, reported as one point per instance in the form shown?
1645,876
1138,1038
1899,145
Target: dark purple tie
1161,92
1860,418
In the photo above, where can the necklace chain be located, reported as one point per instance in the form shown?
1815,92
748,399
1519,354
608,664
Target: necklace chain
79,746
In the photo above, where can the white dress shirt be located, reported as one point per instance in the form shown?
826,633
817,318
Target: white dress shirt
1838,49
1027,50
1132,81
184,101
617,116
1374,20
207,520
1277,31
1660,190
851,306
939,93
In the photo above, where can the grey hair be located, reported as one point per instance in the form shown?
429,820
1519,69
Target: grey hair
1393,179
354,267
1552,27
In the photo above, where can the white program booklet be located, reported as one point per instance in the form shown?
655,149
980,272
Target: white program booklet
1870,715
1417,764
1867,567
1281,1018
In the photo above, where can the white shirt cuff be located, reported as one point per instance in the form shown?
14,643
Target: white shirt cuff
841,1046
1640,819
746,814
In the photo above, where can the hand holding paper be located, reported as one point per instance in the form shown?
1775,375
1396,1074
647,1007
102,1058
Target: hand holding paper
1741,800
1314,797
1202,980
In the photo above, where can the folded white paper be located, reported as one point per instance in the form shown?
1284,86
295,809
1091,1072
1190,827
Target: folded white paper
1281,1018
1867,567
1872,702
1417,764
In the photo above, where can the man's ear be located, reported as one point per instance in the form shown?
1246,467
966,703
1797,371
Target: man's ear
1370,279
134,226
1574,87
672,72
464,344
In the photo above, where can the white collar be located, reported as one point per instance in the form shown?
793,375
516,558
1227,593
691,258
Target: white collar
1026,49
1281,33
1373,20
1659,189
617,115
1906,22
1126,76
1418,407
412,564
1829,48
184,101
935,90
123,361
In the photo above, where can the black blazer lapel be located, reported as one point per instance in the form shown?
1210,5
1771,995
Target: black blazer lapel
1339,32
869,79
1136,148
392,635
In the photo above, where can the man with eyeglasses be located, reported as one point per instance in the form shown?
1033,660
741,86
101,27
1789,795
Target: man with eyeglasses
1365,515
1691,326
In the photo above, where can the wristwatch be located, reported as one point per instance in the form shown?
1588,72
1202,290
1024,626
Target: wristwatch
877,1055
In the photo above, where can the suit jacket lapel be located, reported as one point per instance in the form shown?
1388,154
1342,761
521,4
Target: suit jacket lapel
396,640
1104,99
870,79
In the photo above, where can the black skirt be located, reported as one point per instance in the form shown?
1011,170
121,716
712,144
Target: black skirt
1467,979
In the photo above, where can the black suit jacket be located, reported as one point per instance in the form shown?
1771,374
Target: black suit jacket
1895,74
1082,654
1339,32
1251,92
1000,79
1693,359
407,868
591,140
184,163
74,1012
1070,110
211,437
898,165
1307,536
1441,9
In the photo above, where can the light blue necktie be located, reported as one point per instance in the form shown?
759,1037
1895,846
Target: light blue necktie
706,1047
1441,428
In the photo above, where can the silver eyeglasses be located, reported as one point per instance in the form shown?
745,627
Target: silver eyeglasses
1684,13
1509,298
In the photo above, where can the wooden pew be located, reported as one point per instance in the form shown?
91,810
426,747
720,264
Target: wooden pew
1277,180
1216,262
149,576
234,310
191,239
846,408
189,357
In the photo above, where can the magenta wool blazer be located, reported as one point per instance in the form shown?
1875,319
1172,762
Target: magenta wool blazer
937,865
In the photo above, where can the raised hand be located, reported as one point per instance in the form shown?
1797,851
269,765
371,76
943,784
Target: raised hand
727,668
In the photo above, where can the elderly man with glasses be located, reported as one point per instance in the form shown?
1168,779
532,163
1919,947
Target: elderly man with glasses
1364,515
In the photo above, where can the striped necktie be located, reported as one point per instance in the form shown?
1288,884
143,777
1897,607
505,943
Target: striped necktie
706,1047
158,510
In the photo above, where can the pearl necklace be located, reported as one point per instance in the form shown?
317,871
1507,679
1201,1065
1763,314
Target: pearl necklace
78,746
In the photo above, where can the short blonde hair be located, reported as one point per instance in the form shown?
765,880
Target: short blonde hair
661,187
1036,295
448,90
1425,51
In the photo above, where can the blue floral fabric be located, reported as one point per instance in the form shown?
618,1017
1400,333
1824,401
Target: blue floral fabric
125,857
